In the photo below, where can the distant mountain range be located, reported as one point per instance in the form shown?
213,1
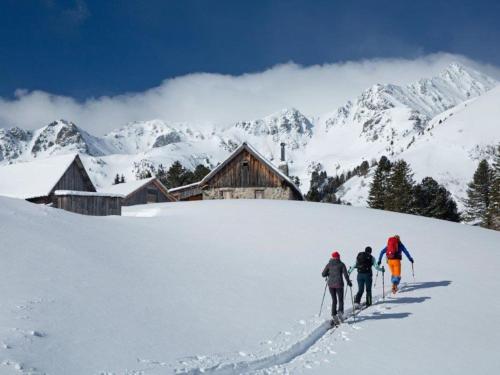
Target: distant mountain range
442,126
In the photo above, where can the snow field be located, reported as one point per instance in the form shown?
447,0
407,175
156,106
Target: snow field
189,286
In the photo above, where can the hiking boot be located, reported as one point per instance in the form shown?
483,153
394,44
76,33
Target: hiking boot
394,288
335,321
340,317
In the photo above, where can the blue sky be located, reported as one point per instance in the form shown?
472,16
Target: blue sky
85,48
105,63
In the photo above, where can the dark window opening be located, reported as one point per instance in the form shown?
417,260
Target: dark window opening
245,175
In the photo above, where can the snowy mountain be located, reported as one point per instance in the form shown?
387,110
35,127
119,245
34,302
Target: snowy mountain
288,126
394,116
13,143
143,136
159,292
58,137
385,119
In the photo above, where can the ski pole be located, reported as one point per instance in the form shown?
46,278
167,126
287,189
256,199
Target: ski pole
353,309
375,283
323,300
383,285
413,271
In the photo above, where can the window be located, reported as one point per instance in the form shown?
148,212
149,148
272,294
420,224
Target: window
259,194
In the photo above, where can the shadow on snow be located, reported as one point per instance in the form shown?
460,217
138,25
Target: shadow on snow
382,316
425,285
407,300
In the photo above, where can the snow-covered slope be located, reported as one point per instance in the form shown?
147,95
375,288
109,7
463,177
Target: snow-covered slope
383,120
192,286
449,149
387,119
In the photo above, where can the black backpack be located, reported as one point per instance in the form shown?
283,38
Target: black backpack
364,262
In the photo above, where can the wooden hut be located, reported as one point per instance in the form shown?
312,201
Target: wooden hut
60,181
148,190
245,174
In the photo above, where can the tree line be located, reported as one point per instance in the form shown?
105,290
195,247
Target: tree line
482,206
393,189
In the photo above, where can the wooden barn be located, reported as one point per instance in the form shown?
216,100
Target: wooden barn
148,190
60,181
245,174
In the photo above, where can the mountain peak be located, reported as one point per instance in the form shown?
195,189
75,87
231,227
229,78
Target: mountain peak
458,73
286,113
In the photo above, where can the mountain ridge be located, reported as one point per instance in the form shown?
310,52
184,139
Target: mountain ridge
385,119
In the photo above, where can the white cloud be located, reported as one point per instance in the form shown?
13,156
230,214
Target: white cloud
203,98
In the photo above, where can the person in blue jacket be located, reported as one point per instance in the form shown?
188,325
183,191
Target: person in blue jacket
364,263
393,252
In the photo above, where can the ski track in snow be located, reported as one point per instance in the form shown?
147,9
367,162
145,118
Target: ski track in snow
274,364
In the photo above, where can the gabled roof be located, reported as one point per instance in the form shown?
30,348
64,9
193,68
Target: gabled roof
257,155
127,188
35,178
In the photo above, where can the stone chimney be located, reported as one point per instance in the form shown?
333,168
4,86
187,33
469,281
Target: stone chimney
283,167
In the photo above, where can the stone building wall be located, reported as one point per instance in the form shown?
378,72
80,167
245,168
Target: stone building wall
283,193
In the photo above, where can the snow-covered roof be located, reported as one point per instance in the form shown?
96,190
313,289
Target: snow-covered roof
126,188
87,193
255,153
35,178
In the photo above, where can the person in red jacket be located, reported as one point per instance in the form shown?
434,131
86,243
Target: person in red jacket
393,251
334,270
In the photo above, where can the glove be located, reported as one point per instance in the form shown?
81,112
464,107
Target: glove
383,269
412,261
378,263
349,283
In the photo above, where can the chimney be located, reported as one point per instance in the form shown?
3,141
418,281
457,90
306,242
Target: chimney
284,165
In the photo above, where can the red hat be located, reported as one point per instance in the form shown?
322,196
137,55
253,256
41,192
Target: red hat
336,255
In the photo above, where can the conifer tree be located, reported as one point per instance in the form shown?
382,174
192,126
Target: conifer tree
318,178
399,193
363,168
117,179
122,179
478,195
175,176
313,195
494,208
199,172
377,195
434,200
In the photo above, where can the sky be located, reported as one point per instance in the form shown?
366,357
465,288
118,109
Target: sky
182,61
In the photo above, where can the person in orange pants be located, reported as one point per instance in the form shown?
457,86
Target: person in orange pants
393,251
